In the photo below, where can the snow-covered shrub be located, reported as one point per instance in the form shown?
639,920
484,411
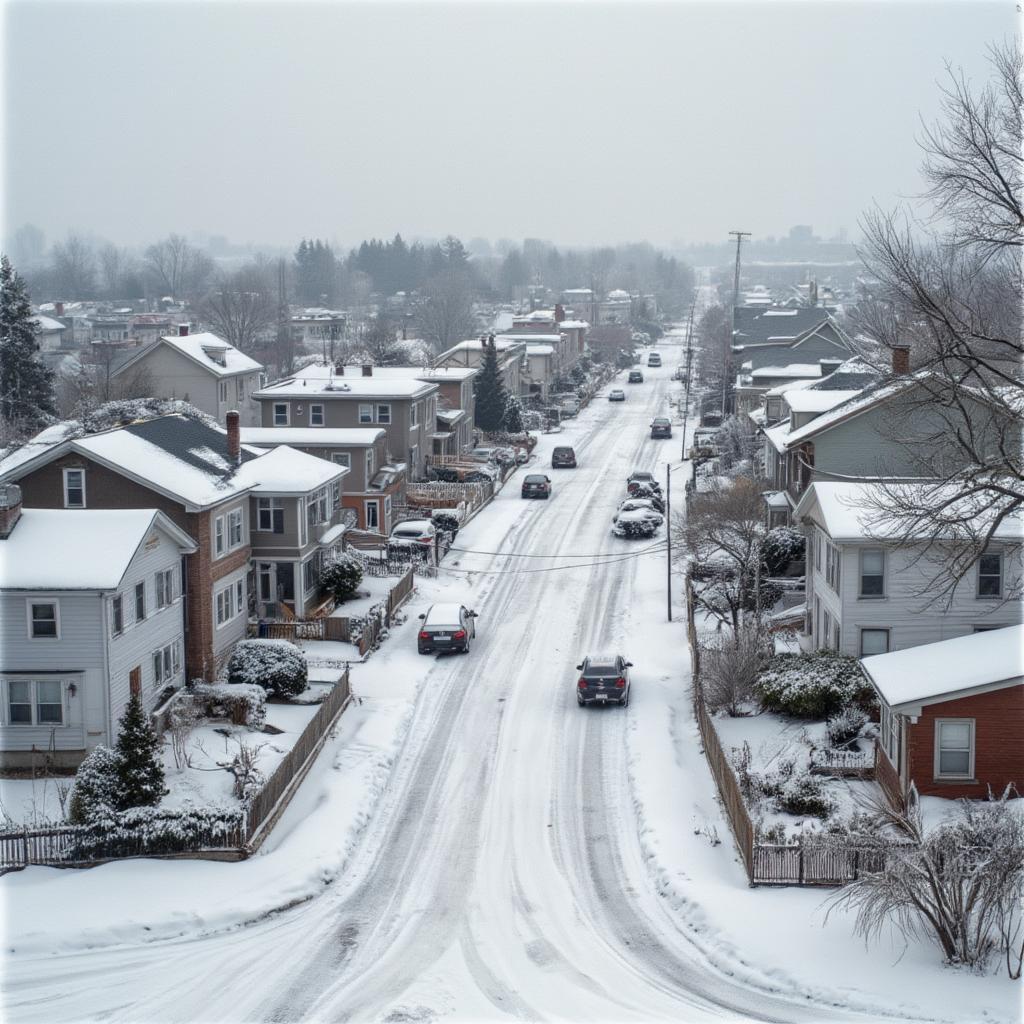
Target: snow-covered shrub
817,685
341,576
846,725
445,520
140,766
249,780
780,547
533,420
804,794
513,421
154,830
276,665
95,785
241,703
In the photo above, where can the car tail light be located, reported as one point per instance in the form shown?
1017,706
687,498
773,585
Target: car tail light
459,634
424,636
620,682
424,540
582,684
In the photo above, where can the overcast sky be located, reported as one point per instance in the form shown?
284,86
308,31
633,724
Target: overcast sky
580,122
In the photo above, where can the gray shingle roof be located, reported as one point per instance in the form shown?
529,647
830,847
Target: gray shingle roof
755,325
188,440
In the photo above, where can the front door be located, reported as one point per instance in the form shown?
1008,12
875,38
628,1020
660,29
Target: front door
373,515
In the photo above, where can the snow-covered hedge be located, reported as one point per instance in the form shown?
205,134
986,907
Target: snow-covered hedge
276,665
242,703
96,784
446,520
817,685
341,576
780,546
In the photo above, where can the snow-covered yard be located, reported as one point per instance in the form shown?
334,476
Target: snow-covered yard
372,590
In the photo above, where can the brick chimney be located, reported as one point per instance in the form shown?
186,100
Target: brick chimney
234,438
900,360
58,308
182,330
10,508
367,369
559,312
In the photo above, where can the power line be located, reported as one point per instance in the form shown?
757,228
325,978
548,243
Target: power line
517,554
550,568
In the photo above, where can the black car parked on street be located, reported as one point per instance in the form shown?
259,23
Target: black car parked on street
604,679
536,485
661,426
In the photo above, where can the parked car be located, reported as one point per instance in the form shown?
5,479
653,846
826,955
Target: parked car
500,456
616,395
654,359
635,524
661,426
635,377
446,627
603,679
483,454
563,457
536,485
569,404
653,507
413,533
639,478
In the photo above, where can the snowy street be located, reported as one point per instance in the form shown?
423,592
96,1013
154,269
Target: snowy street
520,857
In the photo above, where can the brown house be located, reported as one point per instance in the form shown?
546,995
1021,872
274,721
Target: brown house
952,715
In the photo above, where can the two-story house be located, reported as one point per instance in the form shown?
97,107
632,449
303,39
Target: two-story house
867,594
511,359
91,611
200,368
405,408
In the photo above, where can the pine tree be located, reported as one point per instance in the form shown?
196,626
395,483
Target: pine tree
491,398
26,385
514,415
140,768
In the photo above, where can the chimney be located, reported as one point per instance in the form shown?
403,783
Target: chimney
367,369
234,439
10,508
58,308
182,330
829,366
900,360
559,312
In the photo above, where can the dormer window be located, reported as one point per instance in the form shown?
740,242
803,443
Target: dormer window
74,488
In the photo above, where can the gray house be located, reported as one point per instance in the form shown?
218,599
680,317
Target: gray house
200,368
91,611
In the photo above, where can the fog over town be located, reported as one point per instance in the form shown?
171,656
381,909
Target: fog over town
512,511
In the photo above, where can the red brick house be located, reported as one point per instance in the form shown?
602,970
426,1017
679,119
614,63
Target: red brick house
952,715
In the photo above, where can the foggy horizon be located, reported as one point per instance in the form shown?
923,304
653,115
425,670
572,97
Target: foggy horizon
583,124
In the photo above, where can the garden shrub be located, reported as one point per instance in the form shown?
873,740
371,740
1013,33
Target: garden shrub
341,576
817,685
276,665
446,521
846,725
804,795
96,785
152,830
241,703
780,547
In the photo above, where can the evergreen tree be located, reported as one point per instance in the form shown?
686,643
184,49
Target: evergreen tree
491,397
26,385
514,415
140,769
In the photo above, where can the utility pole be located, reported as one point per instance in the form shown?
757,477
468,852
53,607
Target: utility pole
668,534
740,235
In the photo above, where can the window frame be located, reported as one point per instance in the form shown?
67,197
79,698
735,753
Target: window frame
375,503
116,614
230,602
887,630
140,601
342,459
269,508
222,391
313,408
386,419
33,602
999,594
236,518
66,472
889,734
414,415
164,586
861,574
365,412
166,661
33,702
938,774
220,537
287,414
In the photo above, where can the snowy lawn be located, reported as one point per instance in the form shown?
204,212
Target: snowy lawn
372,590
32,801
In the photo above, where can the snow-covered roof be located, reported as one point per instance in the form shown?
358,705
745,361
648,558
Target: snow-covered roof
78,549
810,400
450,415
530,339
849,510
205,349
568,325
795,370
787,386
538,314
376,386
16,456
285,470
539,350
46,323
777,499
777,435
308,437
933,672
320,371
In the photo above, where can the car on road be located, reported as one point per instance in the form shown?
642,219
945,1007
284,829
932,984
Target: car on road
635,377
446,627
569,404
603,679
654,359
649,508
633,525
661,426
563,457
536,485
641,478
414,534
616,395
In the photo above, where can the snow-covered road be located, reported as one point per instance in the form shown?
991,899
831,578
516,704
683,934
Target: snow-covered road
504,870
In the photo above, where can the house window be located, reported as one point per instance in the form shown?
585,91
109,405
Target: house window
265,581
826,629
832,565
316,415
311,572
74,488
166,663
384,413
140,601
890,735
227,605
387,506
240,596
872,572
369,465
240,388
223,389
235,528
365,413
116,616
270,515
954,748
43,620
317,509
817,549
874,641
164,588
218,536
373,515
280,414
414,414
990,575
35,702
342,459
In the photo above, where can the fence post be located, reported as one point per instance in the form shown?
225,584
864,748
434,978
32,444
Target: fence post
800,873
856,863
24,846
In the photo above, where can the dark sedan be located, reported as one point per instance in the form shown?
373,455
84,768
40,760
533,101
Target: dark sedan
536,485
661,427
604,679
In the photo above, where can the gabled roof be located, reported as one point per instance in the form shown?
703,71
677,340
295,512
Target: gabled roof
47,323
285,470
755,325
949,669
810,400
376,386
79,549
310,437
206,350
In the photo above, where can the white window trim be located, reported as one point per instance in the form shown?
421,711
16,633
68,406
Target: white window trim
29,601
176,662
939,722
135,601
366,407
375,502
74,469
241,528
377,408
287,414
222,391
117,632
218,523
302,573
874,629
168,574
414,415
28,677
230,588
889,735
342,459
861,596
323,414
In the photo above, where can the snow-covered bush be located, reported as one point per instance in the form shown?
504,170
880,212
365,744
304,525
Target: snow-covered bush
445,520
241,703
276,665
533,420
804,794
341,576
780,547
817,685
249,779
140,766
513,421
95,785
846,725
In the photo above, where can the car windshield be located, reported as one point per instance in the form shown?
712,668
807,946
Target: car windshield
536,479
601,668
406,533
563,451
660,422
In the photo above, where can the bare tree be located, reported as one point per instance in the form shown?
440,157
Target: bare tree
115,266
178,268
74,268
241,307
444,310
380,344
